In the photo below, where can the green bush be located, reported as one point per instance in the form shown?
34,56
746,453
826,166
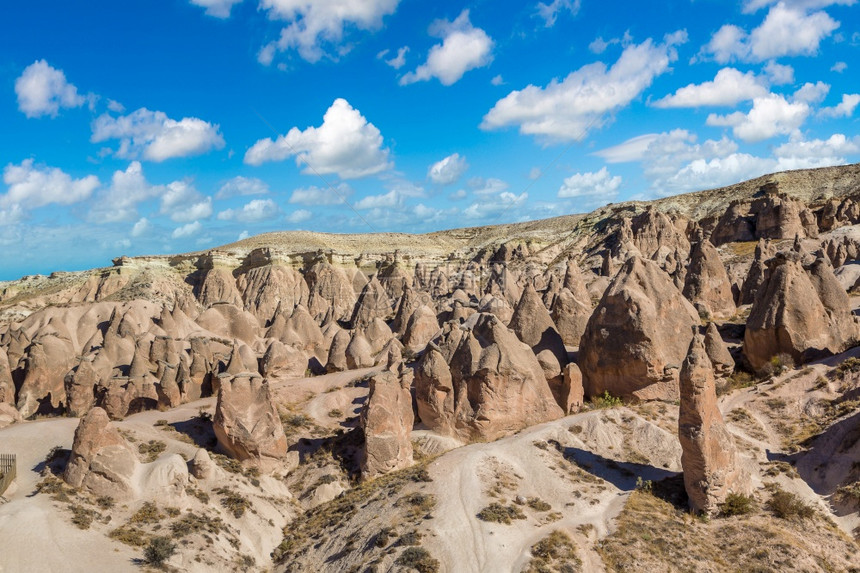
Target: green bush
786,505
498,513
159,550
606,400
419,559
737,504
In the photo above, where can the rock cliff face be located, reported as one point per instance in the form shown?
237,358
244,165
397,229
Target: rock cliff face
709,457
102,461
246,422
387,420
638,335
707,284
800,310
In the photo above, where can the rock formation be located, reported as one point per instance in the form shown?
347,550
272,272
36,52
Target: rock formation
637,336
707,284
799,310
387,420
420,329
246,422
709,457
102,461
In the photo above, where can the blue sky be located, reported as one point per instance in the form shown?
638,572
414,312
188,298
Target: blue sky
165,126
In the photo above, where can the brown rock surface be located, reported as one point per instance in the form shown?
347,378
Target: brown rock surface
801,311
709,457
373,302
707,283
246,422
102,461
265,288
387,420
638,335
421,328
570,315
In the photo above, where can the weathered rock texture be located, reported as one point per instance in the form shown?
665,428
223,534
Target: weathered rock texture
707,284
387,420
709,458
799,310
246,422
102,461
638,335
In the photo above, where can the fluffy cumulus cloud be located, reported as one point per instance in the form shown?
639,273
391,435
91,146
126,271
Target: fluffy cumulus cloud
770,115
395,62
567,110
755,5
313,195
239,185
549,12
127,190
844,109
463,48
718,172
800,154
789,29
390,199
728,88
182,203
141,227
448,170
598,186
153,136
252,212
313,26
30,186
43,90
216,8
345,144
299,216
495,207
187,230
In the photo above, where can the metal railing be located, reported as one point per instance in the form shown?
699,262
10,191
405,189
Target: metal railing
8,471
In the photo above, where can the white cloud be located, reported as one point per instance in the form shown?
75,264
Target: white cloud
345,144
321,196
390,199
463,48
755,5
839,67
811,94
299,216
481,186
397,61
239,185
718,172
141,227
119,202
154,136
313,25
599,185
495,206
115,106
728,88
799,154
770,115
779,74
43,90
498,80
549,12
458,194
216,8
186,230
787,30
252,212
844,109
568,110
242,236
447,171
182,203
599,45
31,186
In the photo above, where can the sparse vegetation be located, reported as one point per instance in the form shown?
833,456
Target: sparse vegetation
147,514
151,450
786,505
234,503
159,550
498,513
606,400
419,559
556,552
737,504
130,535
191,523
538,504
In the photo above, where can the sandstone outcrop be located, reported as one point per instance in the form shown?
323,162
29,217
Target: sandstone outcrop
709,457
387,420
757,274
799,310
420,329
373,302
246,422
102,461
638,335
707,284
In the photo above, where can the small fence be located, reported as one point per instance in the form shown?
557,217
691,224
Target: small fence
8,471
